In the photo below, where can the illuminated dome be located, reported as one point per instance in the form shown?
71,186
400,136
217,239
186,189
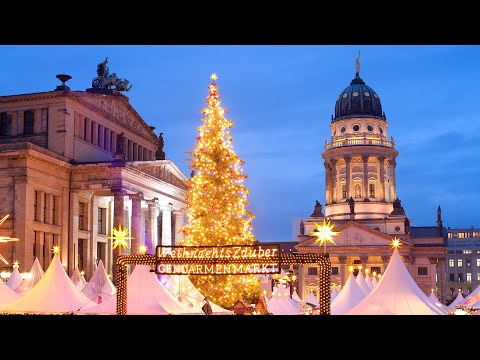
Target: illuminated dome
358,100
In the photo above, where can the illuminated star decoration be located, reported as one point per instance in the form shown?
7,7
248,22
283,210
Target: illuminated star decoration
16,263
120,237
5,238
56,249
214,77
324,233
143,249
396,243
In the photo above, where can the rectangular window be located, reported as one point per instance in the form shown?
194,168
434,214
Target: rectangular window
468,263
452,291
452,277
371,190
81,243
460,277
478,276
101,248
451,263
344,191
334,270
459,262
34,245
467,251
81,216
28,122
112,141
375,269
85,128
422,270
478,262
5,122
53,209
469,277
312,271
102,216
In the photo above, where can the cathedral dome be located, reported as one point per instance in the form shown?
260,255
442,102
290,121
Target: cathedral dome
358,100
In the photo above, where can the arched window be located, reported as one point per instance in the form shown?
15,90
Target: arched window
358,192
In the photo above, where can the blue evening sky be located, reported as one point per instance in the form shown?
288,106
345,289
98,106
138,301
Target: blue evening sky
280,99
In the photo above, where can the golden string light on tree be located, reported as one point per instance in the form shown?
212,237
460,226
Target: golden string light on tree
216,202
324,234
4,239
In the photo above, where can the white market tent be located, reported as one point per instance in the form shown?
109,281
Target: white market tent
457,301
312,300
396,294
361,282
6,294
145,296
15,279
368,281
333,295
99,288
296,297
350,295
181,287
55,293
35,274
435,300
78,279
374,281
472,298
281,304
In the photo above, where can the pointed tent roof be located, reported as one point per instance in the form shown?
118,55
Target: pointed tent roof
181,287
333,295
296,297
374,281
7,295
472,298
457,301
312,300
15,278
350,296
435,300
36,273
99,285
145,296
78,279
281,303
361,282
368,280
396,294
54,293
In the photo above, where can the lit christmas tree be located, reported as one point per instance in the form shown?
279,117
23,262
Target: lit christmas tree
216,213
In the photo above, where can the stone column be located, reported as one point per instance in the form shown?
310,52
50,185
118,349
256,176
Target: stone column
348,163
23,221
39,249
442,279
385,261
382,178
73,232
179,223
152,225
364,261
365,177
328,185
393,193
342,269
91,245
48,249
166,224
136,233
118,220
334,190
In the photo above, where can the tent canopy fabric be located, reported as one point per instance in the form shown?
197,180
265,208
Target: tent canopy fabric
362,283
35,274
457,301
15,279
100,287
396,294
350,295
145,296
472,298
312,300
55,293
7,295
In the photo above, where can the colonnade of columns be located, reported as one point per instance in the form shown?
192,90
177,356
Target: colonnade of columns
385,174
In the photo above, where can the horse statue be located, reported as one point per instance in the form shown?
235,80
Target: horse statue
123,85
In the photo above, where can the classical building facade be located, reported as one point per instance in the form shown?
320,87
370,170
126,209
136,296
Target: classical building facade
361,201
463,261
76,164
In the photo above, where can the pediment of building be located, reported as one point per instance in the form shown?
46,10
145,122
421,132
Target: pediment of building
117,109
353,234
163,170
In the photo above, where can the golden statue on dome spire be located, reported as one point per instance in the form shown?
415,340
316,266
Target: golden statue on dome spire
357,65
